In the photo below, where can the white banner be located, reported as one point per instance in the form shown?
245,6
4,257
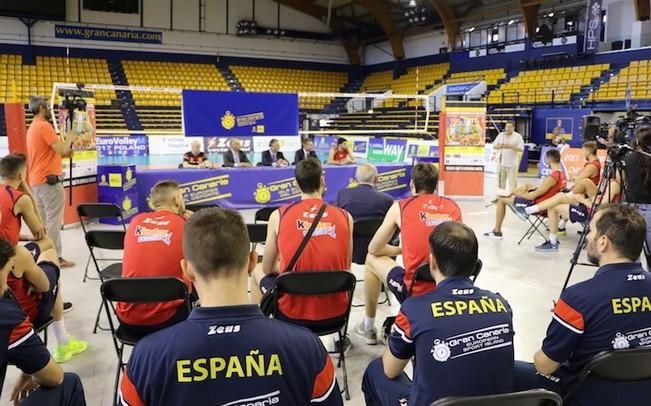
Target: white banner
171,145
288,144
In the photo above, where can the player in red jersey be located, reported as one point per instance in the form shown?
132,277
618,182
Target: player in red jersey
587,181
153,246
415,217
529,195
329,248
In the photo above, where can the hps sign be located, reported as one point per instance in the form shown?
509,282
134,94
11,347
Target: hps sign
593,26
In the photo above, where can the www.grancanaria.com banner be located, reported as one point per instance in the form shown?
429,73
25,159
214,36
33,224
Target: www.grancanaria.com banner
107,34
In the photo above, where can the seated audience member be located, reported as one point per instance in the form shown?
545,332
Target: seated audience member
38,291
341,153
587,181
439,330
227,352
235,157
274,156
415,217
528,194
195,158
605,313
307,151
364,201
329,248
153,246
42,381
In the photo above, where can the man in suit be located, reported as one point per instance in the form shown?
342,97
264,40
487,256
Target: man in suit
273,156
234,157
306,152
364,201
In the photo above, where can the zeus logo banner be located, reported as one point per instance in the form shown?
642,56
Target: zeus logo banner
593,26
234,114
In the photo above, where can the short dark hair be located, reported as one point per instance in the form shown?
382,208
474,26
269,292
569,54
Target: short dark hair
308,174
216,242
341,140
455,248
625,228
306,140
11,164
591,146
272,141
7,251
425,177
553,155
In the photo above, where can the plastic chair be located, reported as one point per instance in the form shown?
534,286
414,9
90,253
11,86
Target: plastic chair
317,283
98,211
264,213
533,397
197,207
137,290
257,235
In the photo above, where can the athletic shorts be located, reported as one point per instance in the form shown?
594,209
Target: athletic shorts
267,282
578,213
396,283
46,302
522,202
34,249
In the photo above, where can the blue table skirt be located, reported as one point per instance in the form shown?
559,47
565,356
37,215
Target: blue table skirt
246,188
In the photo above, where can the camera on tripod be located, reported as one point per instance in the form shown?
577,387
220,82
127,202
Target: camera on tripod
617,136
74,99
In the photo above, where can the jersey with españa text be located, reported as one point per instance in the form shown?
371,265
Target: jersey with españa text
9,221
230,356
610,311
327,250
419,216
457,330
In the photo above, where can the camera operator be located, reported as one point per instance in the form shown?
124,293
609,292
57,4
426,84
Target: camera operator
45,172
638,179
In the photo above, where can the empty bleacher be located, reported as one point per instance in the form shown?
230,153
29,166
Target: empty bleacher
554,85
391,120
632,79
491,76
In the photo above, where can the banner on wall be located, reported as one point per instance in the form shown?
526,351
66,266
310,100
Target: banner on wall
386,150
593,27
234,114
288,145
107,34
132,145
559,126
222,144
572,161
170,144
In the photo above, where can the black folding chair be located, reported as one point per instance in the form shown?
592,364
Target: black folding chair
257,235
264,213
319,283
197,207
624,366
423,272
363,232
537,224
105,240
533,397
98,211
137,290
43,329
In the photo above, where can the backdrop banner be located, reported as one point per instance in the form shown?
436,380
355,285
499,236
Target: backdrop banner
263,186
132,145
230,114
572,161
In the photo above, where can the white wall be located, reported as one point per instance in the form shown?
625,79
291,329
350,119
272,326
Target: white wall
622,25
415,46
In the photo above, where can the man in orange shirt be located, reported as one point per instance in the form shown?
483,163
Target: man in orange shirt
44,152
153,246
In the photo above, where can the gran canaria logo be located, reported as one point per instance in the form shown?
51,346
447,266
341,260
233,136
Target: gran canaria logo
127,204
128,174
262,194
228,120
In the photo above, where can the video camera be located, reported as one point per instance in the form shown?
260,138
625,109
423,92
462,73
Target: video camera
625,126
73,99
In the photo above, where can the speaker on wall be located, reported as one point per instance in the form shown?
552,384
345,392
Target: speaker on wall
591,127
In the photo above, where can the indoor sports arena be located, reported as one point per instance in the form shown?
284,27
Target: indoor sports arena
325,202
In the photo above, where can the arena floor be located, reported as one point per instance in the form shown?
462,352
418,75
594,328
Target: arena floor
527,279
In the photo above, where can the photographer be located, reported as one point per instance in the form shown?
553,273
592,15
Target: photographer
45,172
638,179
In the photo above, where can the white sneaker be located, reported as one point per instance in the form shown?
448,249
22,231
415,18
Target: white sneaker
369,336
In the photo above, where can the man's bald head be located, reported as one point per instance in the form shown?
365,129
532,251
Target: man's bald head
195,146
366,173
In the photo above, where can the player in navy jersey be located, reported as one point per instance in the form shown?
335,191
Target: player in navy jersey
227,352
460,336
610,311
42,381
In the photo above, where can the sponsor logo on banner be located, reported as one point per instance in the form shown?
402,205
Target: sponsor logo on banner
277,191
555,126
386,150
592,27
392,180
288,144
572,161
221,144
324,143
107,34
204,190
170,145
133,145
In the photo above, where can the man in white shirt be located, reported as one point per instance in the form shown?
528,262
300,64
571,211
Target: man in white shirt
509,143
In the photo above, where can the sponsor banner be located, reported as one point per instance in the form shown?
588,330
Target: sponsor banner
359,145
219,114
386,150
323,143
222,144
288,145
421,149
593,27
133,145
572,161
117,185
107,34
258,186
559,126
459,89
170,145
491,157
476,53
81,128
555,42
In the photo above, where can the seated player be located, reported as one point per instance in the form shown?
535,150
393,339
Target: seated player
227,352
195,158
608,312
153,246
42,381
415,217
587,181
341,153
440,331
529,194
38,291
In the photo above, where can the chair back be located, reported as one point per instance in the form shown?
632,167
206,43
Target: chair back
99,211
197,207
626,366
257,233
105,239
423,273
533,397
145,290
363,232
264,213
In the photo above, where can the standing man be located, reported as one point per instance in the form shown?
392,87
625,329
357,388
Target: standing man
306,152
44,152
235,157
510,144
273,156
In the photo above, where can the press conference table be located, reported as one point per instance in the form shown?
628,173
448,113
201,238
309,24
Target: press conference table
246,188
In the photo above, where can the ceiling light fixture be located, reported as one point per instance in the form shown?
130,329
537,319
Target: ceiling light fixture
511,22
471,29
412,3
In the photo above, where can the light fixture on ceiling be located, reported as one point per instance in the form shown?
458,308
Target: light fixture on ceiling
412,3
511,22
471,29
550,14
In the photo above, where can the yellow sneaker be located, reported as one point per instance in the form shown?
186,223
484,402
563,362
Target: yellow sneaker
63,353
561,232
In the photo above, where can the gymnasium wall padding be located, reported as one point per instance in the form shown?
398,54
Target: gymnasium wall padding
16,130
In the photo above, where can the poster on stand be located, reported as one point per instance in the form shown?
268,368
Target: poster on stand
80,125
